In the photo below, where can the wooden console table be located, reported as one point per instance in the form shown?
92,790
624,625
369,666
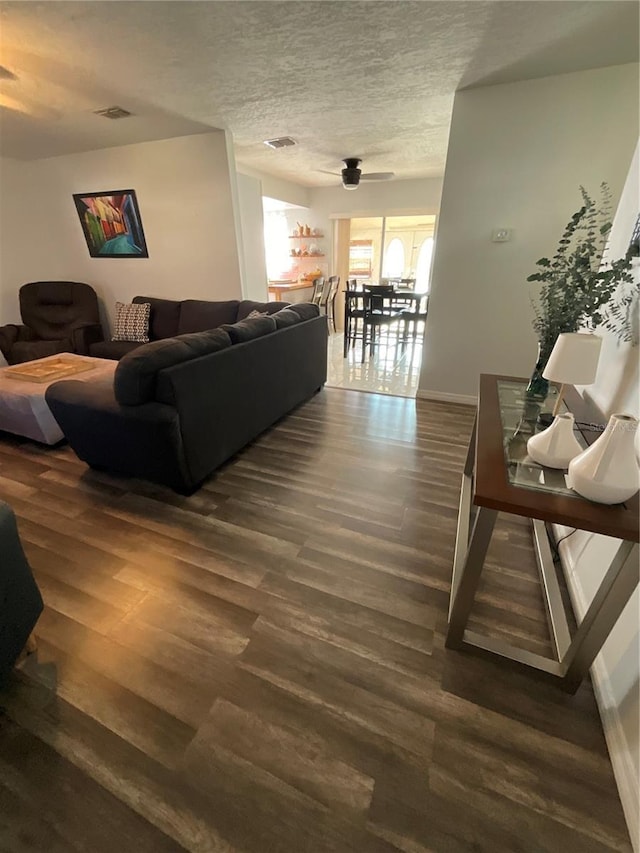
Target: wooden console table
500,477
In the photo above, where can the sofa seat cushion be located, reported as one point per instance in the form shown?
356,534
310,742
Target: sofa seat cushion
23,351
136,375
247,330
286,317
164,316
305,310
247,306
112,349
196,315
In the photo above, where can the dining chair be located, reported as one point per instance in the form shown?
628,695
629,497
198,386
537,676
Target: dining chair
330,305
378,314
412,316
353,314
382,297
318,289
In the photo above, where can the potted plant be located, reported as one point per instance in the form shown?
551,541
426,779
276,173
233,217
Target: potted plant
579,289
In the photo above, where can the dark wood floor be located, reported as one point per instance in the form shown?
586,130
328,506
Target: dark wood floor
261,667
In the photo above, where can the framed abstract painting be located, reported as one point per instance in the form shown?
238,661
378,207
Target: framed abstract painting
111,224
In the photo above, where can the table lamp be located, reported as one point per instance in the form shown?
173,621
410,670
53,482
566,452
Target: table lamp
573,361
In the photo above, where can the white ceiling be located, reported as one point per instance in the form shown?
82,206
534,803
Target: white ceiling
346,78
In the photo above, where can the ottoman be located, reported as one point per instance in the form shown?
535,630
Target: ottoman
23,409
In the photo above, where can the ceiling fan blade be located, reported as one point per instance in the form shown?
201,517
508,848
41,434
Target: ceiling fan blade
29,108
377,176
324,172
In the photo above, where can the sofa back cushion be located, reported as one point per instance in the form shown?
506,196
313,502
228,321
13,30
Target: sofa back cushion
286,317
137,372
163,320
247,306
197,315
252,327
305,310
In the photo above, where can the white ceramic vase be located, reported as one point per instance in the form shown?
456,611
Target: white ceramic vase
607,472
556,446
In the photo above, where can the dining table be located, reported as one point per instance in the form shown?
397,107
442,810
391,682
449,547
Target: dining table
388,302
395,295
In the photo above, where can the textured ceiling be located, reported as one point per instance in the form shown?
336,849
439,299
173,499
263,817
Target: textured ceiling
368,79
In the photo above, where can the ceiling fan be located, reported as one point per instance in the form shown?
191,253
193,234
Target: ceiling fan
352,175
11,98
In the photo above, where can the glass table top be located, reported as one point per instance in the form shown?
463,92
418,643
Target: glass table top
519,415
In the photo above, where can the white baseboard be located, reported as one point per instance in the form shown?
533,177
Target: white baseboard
621,761
443,397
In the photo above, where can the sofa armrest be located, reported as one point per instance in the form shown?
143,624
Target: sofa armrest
84,336
141,441
8,337
20,599
11,333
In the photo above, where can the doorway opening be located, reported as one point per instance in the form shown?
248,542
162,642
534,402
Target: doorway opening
389,257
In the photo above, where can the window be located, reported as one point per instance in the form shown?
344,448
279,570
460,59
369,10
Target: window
360,258
276,244
393,265
423,267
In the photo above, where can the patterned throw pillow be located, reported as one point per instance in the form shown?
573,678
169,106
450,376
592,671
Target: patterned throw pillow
255,313
132,322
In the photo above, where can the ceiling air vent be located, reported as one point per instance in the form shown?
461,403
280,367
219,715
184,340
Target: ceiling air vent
113,112
280,142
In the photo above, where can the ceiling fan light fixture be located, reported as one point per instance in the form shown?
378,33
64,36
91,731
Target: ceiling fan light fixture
351,173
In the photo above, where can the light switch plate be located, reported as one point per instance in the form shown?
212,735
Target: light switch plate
501,235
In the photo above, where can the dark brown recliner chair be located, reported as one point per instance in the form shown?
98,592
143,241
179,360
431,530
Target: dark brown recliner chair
58,316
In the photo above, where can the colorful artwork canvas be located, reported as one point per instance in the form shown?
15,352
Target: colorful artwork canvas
111,224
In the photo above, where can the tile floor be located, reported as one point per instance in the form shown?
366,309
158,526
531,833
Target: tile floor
392,370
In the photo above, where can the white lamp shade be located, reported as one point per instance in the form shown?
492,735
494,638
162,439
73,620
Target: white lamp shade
574,359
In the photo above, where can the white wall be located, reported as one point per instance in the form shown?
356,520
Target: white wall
377,198
616,387
273,187
13,175
184,193
616,673
517,155
319,206
252,230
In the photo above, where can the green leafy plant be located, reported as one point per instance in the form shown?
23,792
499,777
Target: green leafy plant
579,290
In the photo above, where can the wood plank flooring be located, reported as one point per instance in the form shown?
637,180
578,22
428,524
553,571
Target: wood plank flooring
260,668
